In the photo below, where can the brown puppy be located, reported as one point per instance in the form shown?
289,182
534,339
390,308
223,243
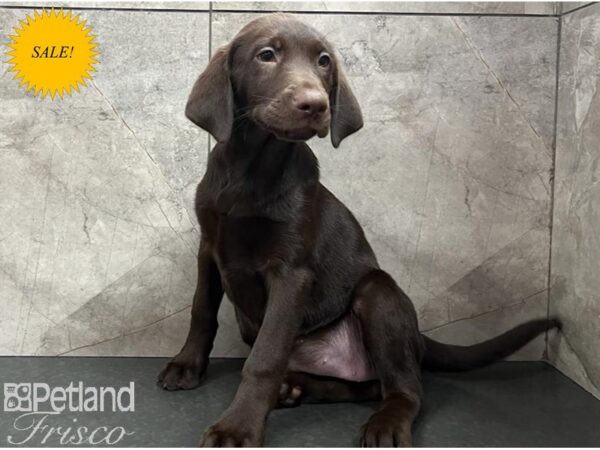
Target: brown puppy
324,321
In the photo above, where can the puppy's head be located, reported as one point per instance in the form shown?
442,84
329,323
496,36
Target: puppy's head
281,74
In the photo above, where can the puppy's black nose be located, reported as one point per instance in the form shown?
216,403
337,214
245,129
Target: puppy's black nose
311,101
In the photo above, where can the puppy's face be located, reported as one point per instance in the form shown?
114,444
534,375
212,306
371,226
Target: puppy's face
282,72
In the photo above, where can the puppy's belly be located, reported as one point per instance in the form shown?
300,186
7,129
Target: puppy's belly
336,351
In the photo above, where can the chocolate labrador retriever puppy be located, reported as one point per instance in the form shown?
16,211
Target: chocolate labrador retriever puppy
324,321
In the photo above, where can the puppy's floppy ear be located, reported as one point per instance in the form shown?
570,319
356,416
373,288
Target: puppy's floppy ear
210,104
346,117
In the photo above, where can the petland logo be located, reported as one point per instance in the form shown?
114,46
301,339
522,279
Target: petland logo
38,403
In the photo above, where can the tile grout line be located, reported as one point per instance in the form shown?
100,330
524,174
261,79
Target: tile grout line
380,13
290,11
553,180
579,8
210,36
102,8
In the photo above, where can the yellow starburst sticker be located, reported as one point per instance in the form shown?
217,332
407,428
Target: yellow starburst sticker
52,53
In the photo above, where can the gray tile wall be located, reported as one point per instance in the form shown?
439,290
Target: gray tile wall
450,176
97,253
575,293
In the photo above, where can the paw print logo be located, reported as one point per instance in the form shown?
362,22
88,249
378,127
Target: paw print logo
17,397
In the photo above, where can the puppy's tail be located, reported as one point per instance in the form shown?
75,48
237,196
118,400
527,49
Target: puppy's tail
451,358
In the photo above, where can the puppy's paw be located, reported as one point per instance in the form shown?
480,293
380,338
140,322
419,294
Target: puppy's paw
221,435
385,430
289,395
181,374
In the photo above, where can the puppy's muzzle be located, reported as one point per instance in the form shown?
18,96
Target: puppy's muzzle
312,105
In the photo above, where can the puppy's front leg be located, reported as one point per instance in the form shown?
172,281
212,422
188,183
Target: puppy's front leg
186,369
242,424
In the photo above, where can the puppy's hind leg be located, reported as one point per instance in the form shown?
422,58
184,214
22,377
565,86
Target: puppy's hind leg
303,387
395,347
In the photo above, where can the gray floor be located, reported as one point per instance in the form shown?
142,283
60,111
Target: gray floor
509,404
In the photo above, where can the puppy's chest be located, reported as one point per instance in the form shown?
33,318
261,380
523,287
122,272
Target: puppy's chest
249,243
245,249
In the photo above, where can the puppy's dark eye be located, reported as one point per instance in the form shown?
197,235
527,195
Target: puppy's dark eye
266,55
324,59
